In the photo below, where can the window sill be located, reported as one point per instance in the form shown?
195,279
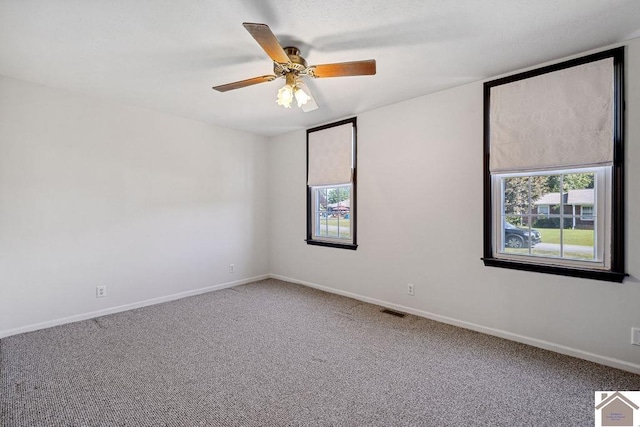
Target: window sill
351,246
606,275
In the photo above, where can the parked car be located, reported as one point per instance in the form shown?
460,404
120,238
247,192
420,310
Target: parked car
518,237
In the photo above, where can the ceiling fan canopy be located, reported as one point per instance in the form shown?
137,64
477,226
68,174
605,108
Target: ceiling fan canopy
288,64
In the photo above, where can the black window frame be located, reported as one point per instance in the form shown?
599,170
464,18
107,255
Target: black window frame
616,273
353,207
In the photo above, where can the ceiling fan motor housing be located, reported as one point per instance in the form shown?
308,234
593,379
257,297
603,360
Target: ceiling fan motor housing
297,64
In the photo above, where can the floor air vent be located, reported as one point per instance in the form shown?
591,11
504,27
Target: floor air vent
393,313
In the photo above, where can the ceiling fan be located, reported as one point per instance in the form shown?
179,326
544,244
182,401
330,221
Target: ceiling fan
288,63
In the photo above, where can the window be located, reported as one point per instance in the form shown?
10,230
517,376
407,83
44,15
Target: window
559,236
331,185
586,213
543,210
332,207
553,199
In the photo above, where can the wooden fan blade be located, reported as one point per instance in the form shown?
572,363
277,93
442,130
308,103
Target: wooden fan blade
355,68
265,38
244,83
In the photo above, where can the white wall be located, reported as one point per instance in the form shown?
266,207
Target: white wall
155,207
420,221
95,193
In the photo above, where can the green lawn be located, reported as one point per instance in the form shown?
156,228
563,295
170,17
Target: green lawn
571,237
344,224
334,221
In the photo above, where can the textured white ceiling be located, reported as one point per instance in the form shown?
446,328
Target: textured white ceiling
166,54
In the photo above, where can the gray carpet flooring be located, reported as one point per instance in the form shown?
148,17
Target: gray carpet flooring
273,353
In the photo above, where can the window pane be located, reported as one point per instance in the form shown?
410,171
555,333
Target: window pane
344,230
333,212
547,198
560,224
322,224
548,228
516,196
578,181
578,243
518,239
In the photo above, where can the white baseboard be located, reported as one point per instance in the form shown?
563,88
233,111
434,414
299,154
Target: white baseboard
603,360
125,307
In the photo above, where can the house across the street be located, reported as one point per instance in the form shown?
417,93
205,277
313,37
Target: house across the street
578,207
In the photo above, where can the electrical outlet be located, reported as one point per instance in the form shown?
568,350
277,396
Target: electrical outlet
232,268
101,291
411,289
635,336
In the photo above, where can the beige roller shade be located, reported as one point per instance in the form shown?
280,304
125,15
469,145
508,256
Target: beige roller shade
556,120
330,155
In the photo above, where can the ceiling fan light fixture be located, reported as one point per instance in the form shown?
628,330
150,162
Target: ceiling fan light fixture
285,96
292,89
301,95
